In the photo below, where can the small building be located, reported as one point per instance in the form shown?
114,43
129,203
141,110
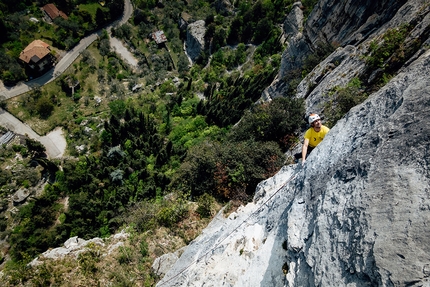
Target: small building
6,138
37,55
159,37
51,12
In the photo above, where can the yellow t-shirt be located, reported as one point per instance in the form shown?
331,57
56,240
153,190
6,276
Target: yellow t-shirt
316,137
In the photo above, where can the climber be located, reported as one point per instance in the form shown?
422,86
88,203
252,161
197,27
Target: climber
313,136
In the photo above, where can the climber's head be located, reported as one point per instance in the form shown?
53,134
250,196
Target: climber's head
314,120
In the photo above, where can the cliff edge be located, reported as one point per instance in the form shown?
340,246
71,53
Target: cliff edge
357,213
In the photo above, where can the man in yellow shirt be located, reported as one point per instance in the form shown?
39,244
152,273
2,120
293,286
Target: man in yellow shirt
313,136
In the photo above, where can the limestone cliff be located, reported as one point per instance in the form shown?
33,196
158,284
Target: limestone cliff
357,213
195,39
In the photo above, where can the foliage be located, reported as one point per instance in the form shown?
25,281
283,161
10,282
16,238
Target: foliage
44,107
228,170
89,259
341,100
205,205
172,211
35,233
5,177
387,56
35,148
252,22
380,52
276,121
226,105
117,108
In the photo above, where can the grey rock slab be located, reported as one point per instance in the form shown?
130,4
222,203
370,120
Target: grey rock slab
356,214
195,39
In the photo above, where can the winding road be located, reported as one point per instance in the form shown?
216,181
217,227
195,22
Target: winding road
54,144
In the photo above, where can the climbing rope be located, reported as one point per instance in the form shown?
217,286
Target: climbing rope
230,233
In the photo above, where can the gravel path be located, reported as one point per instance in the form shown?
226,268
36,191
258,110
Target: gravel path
119,47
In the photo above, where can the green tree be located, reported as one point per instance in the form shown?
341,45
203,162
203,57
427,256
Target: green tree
117,108
44,107
276,121
35,148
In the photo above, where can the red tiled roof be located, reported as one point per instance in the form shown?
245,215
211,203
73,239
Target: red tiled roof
159,37
36,50
53,11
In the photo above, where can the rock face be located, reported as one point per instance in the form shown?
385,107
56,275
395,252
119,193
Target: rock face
357,213
293,23
349,21
195,39
223,7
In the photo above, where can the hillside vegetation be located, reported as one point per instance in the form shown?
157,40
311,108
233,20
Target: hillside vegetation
161,159
156,149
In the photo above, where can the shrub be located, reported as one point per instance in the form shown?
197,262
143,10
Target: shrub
342,100
125,255
88,260
44,107
380,52
228,170
205,205
276,121
172,211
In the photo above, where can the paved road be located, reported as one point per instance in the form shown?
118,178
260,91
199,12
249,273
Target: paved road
53,148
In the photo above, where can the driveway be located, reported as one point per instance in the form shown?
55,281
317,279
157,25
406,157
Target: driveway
54,142
120,49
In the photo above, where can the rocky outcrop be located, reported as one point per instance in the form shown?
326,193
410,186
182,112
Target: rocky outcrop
293,23
348,22
357,213
224,7
20,196
293,56
195,39
163,263
339,24
75,246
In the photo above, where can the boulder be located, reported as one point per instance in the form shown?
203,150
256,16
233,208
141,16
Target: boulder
20,196
163,263
195,39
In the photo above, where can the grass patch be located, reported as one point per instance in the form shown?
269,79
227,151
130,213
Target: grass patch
92,9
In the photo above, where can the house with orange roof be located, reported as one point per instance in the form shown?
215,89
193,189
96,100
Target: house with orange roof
51,12
37,55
